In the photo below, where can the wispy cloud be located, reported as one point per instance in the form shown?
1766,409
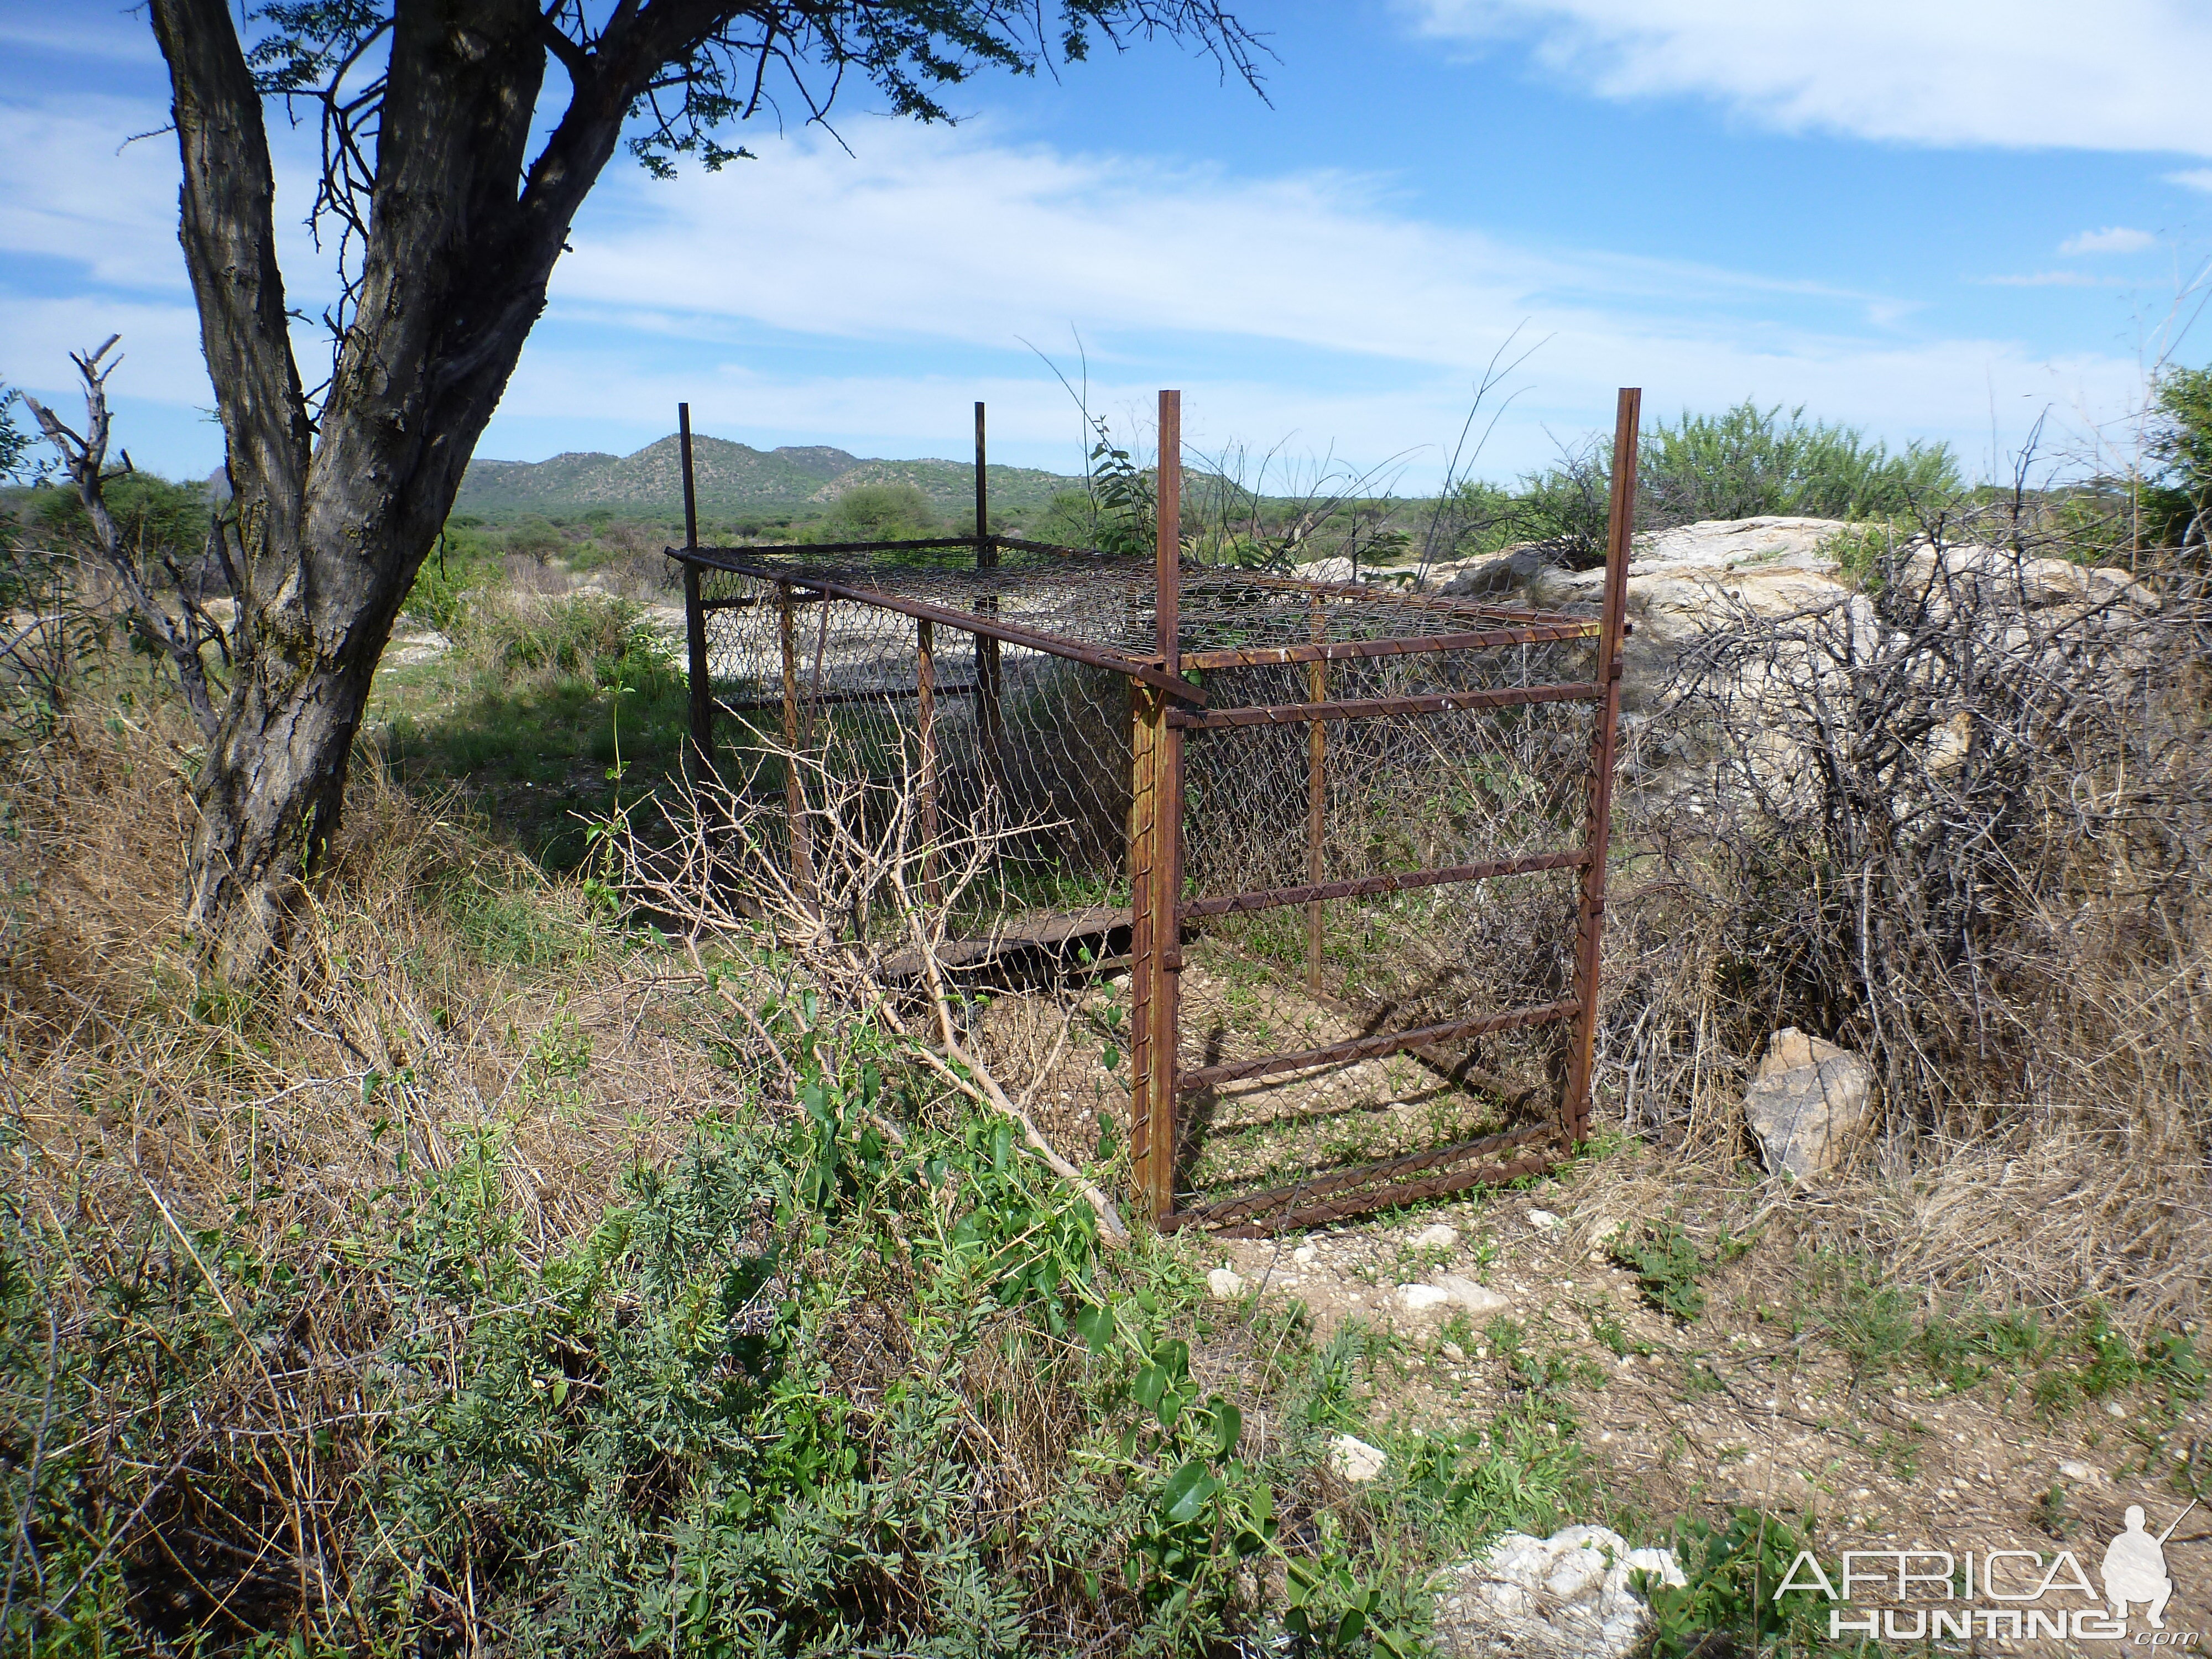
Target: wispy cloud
2192,178
2122,75
815,296
2045,279
2113,239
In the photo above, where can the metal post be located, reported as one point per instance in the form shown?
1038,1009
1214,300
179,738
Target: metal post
795,789
1156,858
990,716
1317,794
1590,918
695,620
926,727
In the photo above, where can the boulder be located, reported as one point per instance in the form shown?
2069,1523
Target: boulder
1562,1597
1807,1102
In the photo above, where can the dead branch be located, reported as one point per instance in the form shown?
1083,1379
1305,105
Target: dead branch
84,455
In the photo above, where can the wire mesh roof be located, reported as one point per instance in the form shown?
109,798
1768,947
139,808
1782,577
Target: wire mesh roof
1096,607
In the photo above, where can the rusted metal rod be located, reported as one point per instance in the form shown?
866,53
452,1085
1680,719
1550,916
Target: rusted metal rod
1266,656
1458,604
1316,796
1589,922
924,632
695,618
1371,1047
881,694
1360,709
1337,1181
1156,864
990,676
1378,1198
1404,881
993,628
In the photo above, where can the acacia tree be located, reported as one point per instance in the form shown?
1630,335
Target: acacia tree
447,228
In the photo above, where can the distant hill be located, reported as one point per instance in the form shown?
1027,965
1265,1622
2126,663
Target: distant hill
733,480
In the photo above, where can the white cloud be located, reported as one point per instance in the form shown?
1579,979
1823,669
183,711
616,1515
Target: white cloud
2193,179
75,191
2113,239
2119,75
1292,303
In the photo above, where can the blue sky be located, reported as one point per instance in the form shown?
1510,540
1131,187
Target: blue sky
1937,220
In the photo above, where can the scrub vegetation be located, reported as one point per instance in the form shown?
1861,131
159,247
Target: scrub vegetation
499,1273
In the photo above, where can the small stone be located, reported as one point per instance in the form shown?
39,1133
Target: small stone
2084,1472
1354,1459
1604,1232
2113,1408
1225,1283
1305,1255
1438,1237
1543,1220
1478,1299
1453,1351
1419,1298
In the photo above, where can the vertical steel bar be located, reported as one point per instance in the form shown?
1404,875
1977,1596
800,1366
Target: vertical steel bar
795,789
1317,794
990,714
925,725
694,620
1590,920
1148,1102
1165,885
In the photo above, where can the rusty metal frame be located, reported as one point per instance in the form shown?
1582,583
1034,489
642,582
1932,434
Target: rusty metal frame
1165,705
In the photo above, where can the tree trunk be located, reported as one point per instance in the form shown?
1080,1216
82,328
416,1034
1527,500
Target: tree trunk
332,531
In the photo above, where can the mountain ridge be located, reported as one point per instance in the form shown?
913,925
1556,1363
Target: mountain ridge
732,480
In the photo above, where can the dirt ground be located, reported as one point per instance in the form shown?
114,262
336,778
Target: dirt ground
1733,1409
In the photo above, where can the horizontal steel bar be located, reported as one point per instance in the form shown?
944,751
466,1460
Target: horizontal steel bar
1359,709
1269,898
1458,604
1404,1192
1243,1206
751,705
1370,1047
746,601
697,554
988,624
1262,656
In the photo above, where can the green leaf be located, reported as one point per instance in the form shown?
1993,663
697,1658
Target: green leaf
1096,1327
1150,1383
1228,1426
1188,1492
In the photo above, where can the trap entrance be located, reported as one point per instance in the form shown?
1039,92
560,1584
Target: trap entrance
1349,839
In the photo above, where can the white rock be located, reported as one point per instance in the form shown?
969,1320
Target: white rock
2084,1472
1305,1255
1419,1298
1543,1220
1438,1237
1453,1351
1354,1459
1807,1103
1562,1597
1225,1283
1478,1299
1606,1232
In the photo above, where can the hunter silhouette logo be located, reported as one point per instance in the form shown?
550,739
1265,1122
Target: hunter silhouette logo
2135,1568
2002,1595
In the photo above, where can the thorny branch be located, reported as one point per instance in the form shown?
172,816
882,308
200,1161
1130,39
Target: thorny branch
84,456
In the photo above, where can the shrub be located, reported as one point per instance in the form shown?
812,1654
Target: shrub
879,513
1748,461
